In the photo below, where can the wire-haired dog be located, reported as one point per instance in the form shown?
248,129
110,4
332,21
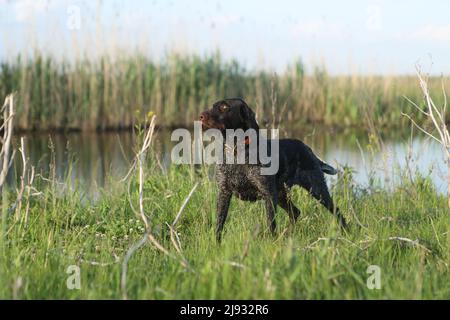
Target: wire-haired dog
298,165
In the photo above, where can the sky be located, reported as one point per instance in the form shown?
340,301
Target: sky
346,37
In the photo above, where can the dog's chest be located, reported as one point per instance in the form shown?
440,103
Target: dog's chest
236,178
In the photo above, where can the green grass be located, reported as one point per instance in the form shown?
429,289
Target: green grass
109,93
68,229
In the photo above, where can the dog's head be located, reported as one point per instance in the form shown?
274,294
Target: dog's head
229,114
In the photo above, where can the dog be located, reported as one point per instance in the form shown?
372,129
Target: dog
298,165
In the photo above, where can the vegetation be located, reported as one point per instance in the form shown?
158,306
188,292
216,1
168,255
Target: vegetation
403,230
49,225
107,94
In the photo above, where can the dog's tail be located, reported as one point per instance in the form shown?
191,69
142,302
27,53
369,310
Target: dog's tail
326,168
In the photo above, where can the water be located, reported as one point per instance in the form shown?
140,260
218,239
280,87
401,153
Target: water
92,159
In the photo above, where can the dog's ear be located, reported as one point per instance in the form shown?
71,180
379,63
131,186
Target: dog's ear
249,117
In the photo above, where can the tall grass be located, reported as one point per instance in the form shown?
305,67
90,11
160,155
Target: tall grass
109,93
314,260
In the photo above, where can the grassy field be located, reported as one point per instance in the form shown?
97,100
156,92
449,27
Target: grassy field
313,260
403,229
109,93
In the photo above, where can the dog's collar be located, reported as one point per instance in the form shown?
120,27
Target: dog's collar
233,149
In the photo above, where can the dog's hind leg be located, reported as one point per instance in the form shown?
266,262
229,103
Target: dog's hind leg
286,203
317,187
271,207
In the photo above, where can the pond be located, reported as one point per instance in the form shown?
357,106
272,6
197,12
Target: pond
92,159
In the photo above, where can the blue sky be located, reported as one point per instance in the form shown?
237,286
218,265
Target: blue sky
381,37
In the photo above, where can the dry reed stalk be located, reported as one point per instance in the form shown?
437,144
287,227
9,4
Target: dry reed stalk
173,234
148,236
7,126
26,182
438,119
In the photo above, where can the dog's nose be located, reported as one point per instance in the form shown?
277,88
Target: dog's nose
204,116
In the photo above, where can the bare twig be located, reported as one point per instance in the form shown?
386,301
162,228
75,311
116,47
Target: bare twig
173,234
413,243
184,205
22,178
323,239
26,182
131,250
139,163
437,117
7,127
420,128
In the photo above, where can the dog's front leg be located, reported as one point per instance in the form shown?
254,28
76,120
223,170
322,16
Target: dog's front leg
223,203
266,186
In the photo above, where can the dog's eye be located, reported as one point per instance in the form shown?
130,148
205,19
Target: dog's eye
223,108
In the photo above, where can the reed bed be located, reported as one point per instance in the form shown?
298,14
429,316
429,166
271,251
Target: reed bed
114,93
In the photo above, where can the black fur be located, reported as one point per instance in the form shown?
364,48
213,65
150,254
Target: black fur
298,165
